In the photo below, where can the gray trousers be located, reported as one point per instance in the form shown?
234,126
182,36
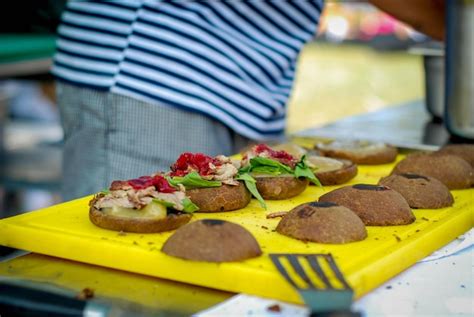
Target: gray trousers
113,137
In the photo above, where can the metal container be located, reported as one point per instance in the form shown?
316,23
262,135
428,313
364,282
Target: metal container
459,79
433,62
434,84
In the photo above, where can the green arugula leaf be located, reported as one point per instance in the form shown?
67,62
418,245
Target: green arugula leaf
263,161
105,191
250,183
193,180
266,170
302,170
189,206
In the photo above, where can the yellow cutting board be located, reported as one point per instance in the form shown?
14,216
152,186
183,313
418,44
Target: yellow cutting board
65,231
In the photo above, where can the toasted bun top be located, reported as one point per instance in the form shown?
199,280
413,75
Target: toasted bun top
420,191
375,205
464,151
451,170
322,222
212,240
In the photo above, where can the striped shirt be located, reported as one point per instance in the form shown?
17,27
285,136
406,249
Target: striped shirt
232,61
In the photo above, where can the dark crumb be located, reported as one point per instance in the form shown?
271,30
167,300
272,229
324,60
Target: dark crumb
463,286
454,263
425,219
376,239
264,227
149,242
397,237
135,242
273,230
388,287
274,308
86,293
435,220
417,230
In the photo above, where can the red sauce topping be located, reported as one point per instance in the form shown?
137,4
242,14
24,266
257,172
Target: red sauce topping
280,156
189,162
160,183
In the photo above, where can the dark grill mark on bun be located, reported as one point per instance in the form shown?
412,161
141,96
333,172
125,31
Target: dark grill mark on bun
414,176
322,204
212,222
306,212
369,187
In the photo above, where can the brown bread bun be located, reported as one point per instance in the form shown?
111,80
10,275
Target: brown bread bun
322,222
420,191
464,151
451,170
280,187
212,240
375,205
359,152
218,199
331,171
138,224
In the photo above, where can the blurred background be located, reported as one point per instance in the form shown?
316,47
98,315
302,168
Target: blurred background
358,62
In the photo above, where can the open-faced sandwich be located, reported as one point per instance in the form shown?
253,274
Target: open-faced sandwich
279,175
146,204
359,152
214,184
329,171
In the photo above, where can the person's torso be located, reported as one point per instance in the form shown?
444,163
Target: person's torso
233,61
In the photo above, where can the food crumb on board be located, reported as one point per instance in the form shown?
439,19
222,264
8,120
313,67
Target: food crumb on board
150,242
135,242
417,230
463,286
397,237
85,293
276,214
264,227
388,287
274,308
425,219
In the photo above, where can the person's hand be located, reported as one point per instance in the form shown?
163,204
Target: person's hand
426,16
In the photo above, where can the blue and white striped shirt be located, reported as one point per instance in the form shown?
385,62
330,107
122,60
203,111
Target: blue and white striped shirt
233,61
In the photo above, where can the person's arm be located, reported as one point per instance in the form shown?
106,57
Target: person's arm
426,16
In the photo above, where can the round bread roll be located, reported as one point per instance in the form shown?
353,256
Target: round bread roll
218,199
420,191
451,170
136,224
322,222
464,151
280,187
332,171
375,205
359,152
212,240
